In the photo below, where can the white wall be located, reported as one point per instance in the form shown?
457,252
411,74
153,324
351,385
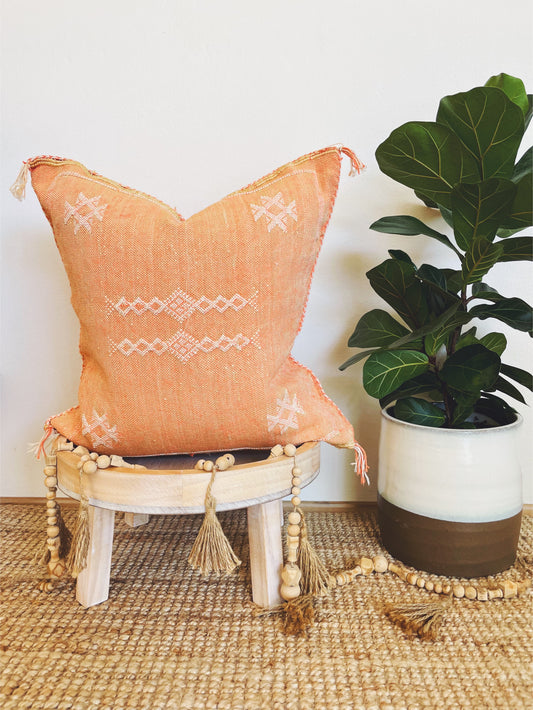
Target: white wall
189,101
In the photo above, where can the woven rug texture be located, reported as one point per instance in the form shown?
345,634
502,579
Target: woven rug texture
167,638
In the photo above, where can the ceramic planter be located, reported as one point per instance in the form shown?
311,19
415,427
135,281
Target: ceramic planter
450,500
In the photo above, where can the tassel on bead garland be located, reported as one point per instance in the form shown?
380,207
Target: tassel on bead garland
212,551
423,620
77,558
315,580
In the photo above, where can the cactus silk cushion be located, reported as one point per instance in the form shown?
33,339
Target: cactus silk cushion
186,325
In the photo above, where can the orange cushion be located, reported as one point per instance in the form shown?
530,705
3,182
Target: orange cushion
187,324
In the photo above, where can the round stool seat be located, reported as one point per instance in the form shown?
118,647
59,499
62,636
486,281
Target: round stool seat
171,485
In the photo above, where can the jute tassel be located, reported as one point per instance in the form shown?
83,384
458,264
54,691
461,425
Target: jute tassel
423,620
212,551
79,549
315,579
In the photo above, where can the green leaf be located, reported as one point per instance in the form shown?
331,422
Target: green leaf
518,375
524,166
428,158
384,372
468,338
471,369
513,87
486,292
357,358
479,259
503,385
395,281
497,342
496,408
517,249
400,255
409,226
489,124
479,209
439,297
418,411
377,328
465,403
426,382
521,212
513,311
529,114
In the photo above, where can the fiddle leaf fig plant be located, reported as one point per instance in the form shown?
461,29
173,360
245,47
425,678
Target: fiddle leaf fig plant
429,360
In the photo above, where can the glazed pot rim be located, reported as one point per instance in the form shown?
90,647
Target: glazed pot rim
455,432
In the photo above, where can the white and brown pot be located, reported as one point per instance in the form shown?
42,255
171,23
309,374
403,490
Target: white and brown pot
450,500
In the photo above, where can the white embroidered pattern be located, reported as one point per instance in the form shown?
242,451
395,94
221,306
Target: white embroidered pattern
99,430
286,412
181,305
84,212
275,211
183,345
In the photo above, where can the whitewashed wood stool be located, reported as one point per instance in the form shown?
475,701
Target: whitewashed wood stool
171,486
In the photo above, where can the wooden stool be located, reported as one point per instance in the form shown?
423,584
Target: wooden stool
171,486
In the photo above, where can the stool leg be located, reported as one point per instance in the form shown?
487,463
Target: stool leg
266,553
93,582
134,520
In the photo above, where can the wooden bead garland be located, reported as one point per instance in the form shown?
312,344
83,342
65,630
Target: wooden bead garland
291,573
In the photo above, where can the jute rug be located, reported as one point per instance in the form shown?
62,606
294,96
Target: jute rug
169,639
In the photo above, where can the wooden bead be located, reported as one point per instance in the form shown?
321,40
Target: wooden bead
438,588
50,504
295,501
53,542
458,591
289,450
495,593
93,455
446,588
294,518
509,589
289,593
482,594
52,531
421,582
296,471
398,570
296,480
222,463
356,571
366,564
81,451
341,579
208,466
380,563
291,574
52,520
276,451
411,578
470,592
103,461
49,471
89,467
295,491
199,465
51,494
293,541
85,457
50,481
430,586
292,554
293,530
230,458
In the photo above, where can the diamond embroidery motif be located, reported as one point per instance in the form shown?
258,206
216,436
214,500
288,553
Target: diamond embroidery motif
286,412
183,345
84,212
275,211
181,305
99,430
